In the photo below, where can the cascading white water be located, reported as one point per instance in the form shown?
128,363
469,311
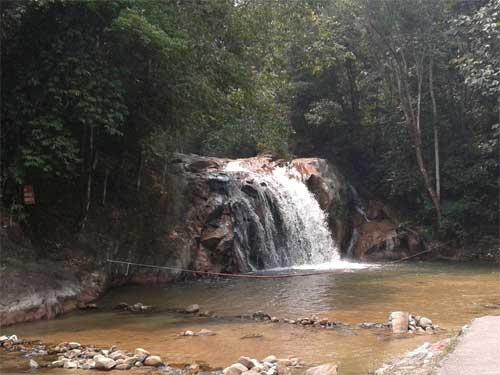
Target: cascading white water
287,226
309,239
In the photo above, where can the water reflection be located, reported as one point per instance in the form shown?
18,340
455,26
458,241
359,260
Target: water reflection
450,295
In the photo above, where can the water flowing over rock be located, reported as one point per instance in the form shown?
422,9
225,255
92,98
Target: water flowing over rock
203,214
259,213
277,220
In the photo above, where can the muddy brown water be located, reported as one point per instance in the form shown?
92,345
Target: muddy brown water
450,294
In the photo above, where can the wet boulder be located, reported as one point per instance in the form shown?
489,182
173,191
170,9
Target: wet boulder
191,309
235,369
140,354
425,322
104,363
153,360
398,321
326,369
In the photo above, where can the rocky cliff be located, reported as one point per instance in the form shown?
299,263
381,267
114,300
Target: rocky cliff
204,215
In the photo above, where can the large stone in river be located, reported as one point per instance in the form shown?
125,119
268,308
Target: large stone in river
425,322
235,369
123,366
140,354
104,363
399,321
326,369
191,309
247,362
153,360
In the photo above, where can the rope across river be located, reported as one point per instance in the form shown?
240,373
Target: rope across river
218,274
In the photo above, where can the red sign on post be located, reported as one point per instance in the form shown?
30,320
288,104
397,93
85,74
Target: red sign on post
29,194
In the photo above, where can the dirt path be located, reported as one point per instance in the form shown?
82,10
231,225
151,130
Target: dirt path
478,351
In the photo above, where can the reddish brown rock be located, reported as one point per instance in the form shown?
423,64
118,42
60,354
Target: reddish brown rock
377,240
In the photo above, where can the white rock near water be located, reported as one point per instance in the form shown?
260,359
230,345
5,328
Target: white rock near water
271,365
76,356
103,363
326,369
153,360
404,322
191,309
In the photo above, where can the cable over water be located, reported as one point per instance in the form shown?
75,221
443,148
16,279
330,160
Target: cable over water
218,274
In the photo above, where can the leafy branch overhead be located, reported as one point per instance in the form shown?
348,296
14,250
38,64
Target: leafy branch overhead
401,94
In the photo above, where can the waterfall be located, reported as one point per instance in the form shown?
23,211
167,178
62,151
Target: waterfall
278,221
358,204
360,208
352,242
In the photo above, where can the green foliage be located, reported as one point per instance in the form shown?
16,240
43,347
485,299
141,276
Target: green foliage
91,88
479,54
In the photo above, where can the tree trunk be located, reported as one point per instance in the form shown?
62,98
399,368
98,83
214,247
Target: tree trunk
427,180
164,174
399,66
91,165
105,187
139,172
414,126
436,130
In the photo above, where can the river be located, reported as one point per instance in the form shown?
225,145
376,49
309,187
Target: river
450,294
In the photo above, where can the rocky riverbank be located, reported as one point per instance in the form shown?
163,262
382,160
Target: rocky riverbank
421,361
399,322
73,355
474,350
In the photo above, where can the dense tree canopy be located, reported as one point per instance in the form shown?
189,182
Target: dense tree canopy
402,94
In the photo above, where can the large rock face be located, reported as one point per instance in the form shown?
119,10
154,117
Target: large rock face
206,214
232,207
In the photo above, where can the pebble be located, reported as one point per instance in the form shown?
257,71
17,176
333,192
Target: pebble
425,322
123,366
58,363
283,370
70,364
103,363
206,332
34,364
131,360
235,369
250,372
284,362
326,369
247,362
153,360
415,324
191,309
74,345
141,354
89,364
270,359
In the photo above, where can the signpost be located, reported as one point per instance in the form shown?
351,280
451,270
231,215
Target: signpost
29,195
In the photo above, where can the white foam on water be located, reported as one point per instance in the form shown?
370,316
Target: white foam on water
328,266
309,242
